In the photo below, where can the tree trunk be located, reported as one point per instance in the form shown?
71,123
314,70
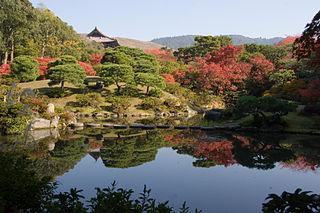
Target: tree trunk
5,60
147,90
44,44
12,51
62,85
118,87
42,49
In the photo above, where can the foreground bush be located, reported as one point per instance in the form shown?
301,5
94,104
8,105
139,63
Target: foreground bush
22,191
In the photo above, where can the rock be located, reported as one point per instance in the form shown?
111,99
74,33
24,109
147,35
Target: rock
51,146
163,126
311,110
93,125
40,134
40,123
119,126
136,126
107,125
50,108
75,125
213,114
97,115
148,127
180,127
54,122
194,127
114,115
207,128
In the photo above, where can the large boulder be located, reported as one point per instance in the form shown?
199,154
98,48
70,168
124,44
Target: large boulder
54,122
40,123
213,114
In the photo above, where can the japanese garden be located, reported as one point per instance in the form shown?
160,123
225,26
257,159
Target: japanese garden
89,123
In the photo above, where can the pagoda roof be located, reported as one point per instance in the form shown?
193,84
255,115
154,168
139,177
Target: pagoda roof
96,33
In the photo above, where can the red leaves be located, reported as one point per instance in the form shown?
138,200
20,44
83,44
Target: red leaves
88,68
168,78
5,69
43,63
286,41
161,54
260,69
95,59
312,92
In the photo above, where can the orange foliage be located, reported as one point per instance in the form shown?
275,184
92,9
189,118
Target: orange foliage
88,68
286,40
5,69
161,54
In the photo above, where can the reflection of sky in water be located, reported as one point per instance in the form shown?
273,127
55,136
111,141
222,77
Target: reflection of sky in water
172,177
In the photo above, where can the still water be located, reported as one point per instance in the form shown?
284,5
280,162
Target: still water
212,171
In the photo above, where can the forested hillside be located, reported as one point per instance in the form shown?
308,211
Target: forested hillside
188,40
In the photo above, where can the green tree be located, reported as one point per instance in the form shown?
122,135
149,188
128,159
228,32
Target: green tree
149,80
14,19
119,104
72,73
258,107
66,69
281,76
25,68
117,74
202,46
117,57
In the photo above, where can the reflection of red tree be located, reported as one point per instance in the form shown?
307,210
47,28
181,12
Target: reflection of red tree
220,152
93,144
300,164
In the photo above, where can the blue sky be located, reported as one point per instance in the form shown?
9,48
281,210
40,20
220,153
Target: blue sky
148,19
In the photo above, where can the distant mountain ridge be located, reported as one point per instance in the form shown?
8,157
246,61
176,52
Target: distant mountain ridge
188,40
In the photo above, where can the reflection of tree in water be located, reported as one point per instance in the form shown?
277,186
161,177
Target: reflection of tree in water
260,151
307,151
125,152
62,158
253,151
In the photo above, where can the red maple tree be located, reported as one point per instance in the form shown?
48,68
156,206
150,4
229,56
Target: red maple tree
162,54
5,69
88,68
168,78
43,63
95,59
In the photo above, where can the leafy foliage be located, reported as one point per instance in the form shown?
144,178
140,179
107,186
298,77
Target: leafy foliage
116,74
90,99
119,104
299,201
25,68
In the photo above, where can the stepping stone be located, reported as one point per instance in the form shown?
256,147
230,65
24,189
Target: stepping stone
148,127
136,126
94,125
163,126
119,126
180,127
194,127
107,125
207,128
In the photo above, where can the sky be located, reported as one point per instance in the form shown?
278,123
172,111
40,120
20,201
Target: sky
148,19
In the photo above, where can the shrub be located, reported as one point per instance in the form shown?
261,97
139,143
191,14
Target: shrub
91,99
155,93
258,107
171,103
119,105
88,68
151,103
13,118
39,105
5,69
56,92
25,68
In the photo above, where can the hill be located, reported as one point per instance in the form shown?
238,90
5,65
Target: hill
188,40
137,44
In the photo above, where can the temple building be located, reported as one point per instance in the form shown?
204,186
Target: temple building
97,36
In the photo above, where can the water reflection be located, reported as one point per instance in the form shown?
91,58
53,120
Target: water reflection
133,147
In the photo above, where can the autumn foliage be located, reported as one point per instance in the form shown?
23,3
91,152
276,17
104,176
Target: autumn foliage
161,54
219,71
95,59
168,78
287,40
312,92
88,68
5,69
43,63
260,69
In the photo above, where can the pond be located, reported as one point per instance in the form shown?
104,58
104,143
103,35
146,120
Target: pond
212,171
